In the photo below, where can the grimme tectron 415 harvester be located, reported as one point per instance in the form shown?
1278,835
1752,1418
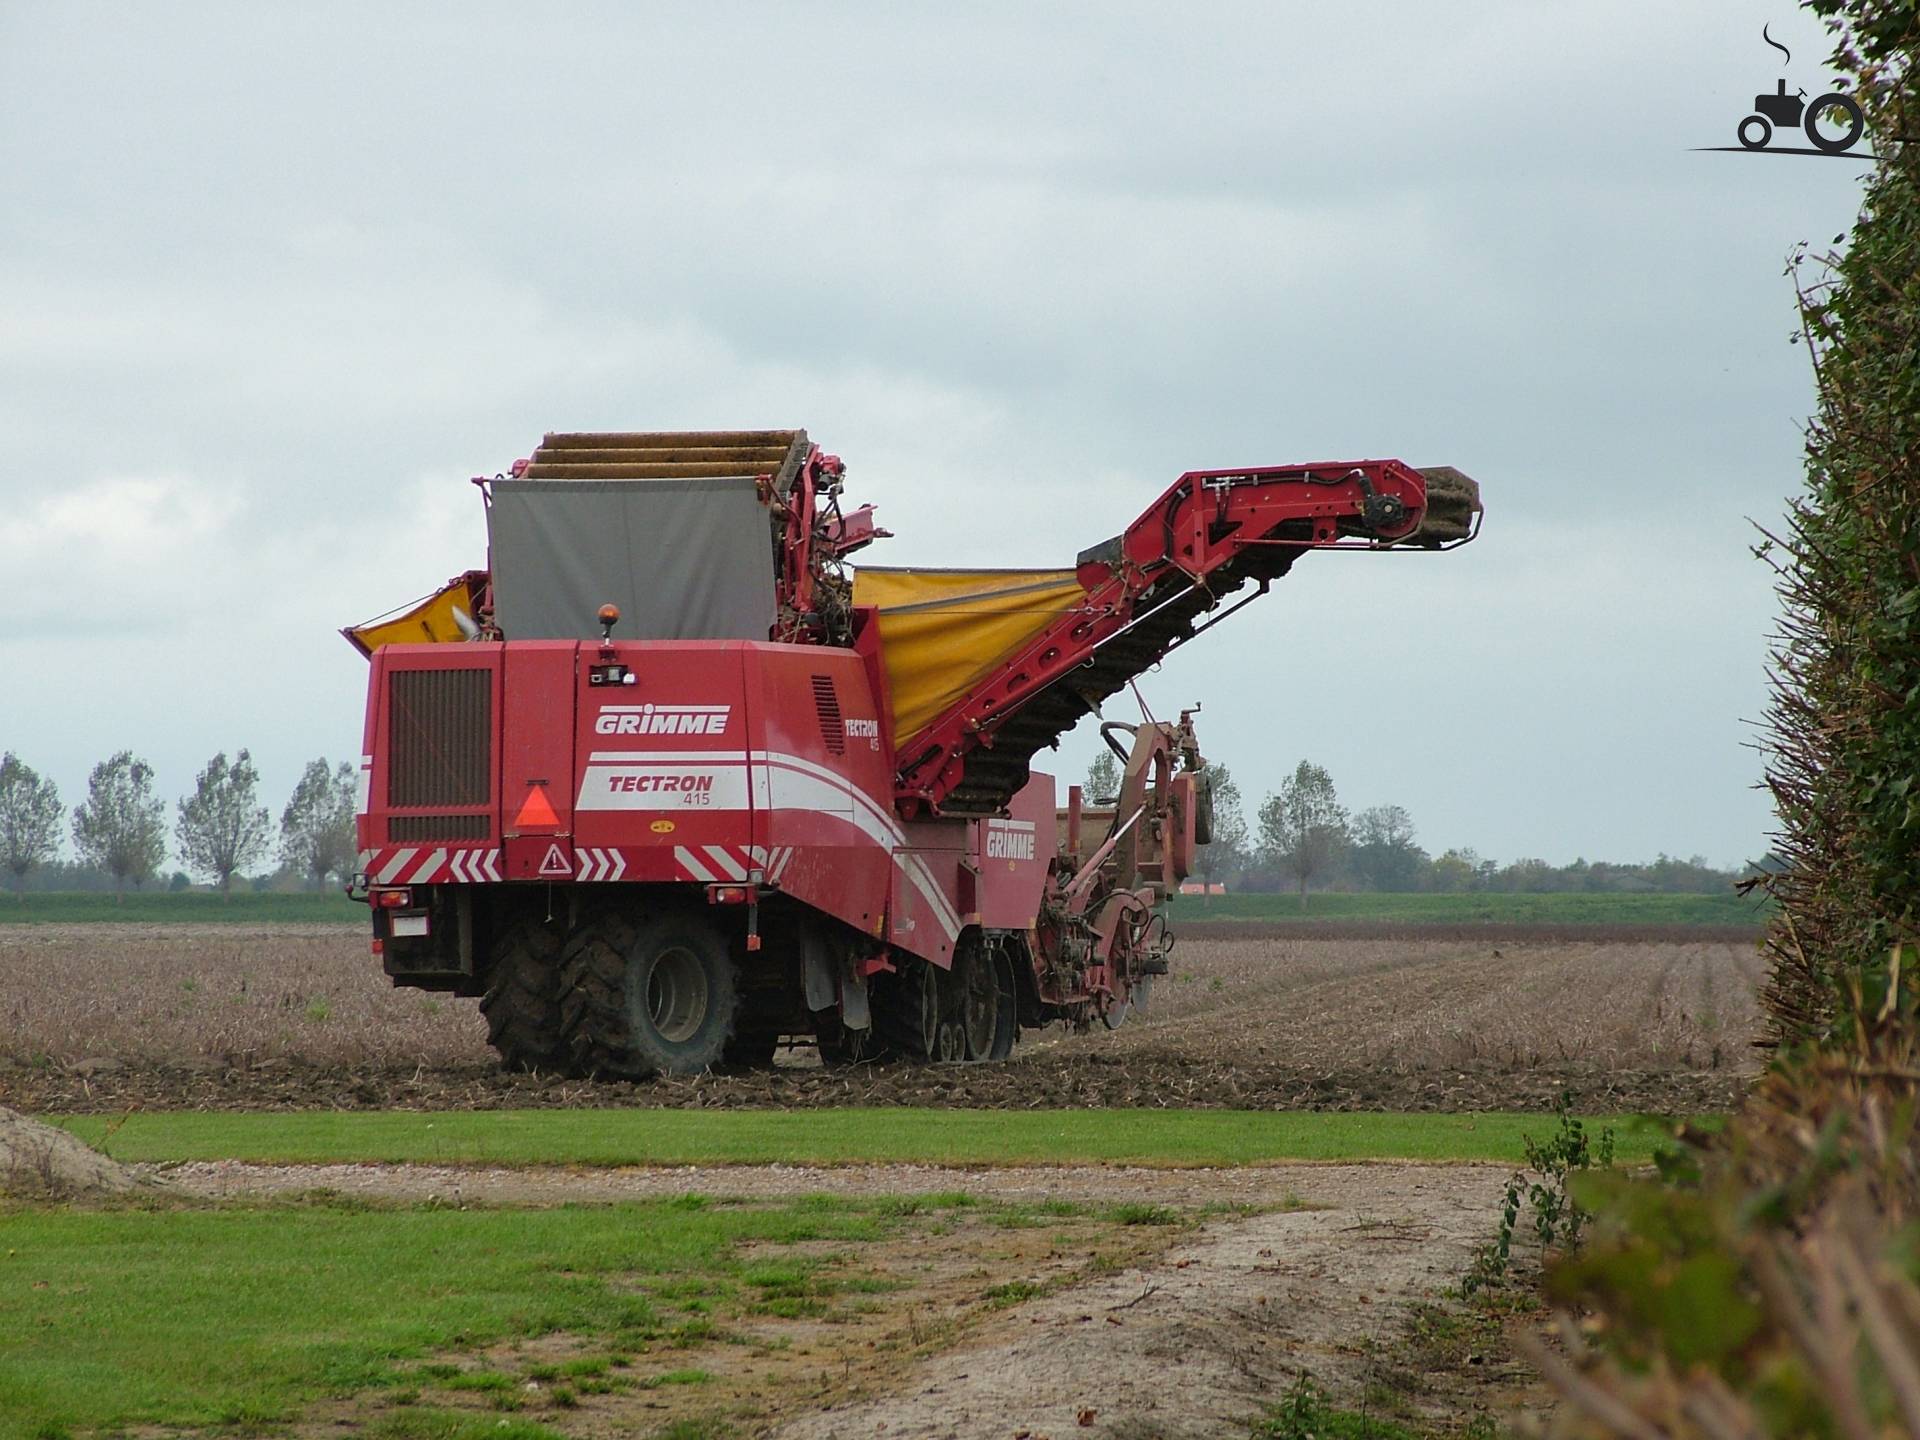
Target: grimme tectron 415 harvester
671,782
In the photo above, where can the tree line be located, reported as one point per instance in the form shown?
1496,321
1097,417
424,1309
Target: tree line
219,830
1303,838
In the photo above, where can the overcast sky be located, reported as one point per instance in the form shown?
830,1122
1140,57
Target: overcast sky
275,280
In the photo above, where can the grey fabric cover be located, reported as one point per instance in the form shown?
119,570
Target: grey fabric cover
683,559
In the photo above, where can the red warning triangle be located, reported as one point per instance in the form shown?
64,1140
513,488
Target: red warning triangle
536,813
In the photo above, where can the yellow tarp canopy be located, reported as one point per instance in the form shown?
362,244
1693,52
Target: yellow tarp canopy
431,622
942,630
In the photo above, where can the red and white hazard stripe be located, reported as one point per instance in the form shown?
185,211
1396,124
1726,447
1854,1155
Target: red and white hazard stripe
473,866
732,864
597,865
420,865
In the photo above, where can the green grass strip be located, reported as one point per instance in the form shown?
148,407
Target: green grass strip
239,1316
832,1137
189,908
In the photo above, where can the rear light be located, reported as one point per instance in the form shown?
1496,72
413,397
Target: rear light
731,894
392,899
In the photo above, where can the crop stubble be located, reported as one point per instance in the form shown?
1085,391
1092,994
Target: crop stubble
98,1018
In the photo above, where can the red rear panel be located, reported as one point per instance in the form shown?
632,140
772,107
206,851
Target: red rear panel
663,791
536,761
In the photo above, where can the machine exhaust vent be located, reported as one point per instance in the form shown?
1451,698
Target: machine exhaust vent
408,829
826,704
439,741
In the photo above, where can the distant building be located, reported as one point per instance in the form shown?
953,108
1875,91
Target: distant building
1201,887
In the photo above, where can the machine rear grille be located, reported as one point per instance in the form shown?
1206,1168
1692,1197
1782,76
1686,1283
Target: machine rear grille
826,703
406,829
439,741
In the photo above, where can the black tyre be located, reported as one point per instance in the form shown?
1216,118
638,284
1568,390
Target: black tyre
1006,1017
653,998
979,1000
1755,131
1848,110
522,999
1203,808
906,1011
951,1046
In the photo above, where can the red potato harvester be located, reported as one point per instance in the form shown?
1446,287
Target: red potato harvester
671,781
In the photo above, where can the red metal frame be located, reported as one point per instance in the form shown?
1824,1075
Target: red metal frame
1206,520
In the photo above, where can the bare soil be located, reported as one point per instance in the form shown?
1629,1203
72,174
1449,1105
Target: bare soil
103,1018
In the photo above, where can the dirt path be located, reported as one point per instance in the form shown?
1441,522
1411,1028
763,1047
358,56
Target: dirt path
1193,1344
1188,1344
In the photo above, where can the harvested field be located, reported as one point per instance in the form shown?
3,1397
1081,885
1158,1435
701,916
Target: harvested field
99,1018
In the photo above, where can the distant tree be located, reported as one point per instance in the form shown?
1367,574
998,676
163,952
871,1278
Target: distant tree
1103,778
29,819
121,826
1526,876
223,827
1384,854
1459,870
316,828
1226,854
1303,829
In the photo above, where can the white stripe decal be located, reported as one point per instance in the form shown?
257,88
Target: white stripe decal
432,863
807,787
394,866
733,868
692,866
915,867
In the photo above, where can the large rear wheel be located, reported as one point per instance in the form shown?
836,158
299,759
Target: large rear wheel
522,1001
653,998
